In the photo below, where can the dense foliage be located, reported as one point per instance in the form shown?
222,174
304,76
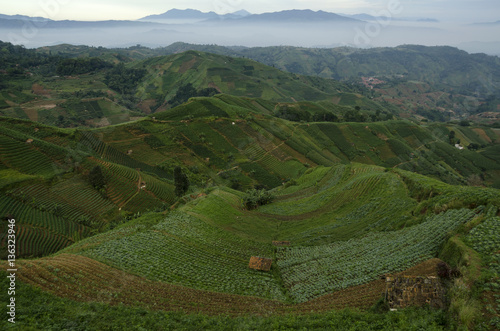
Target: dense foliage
124,80
68,67
96,178
181,182
255,198
188,91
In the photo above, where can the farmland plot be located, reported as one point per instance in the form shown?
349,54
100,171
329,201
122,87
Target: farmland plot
186,251
309,272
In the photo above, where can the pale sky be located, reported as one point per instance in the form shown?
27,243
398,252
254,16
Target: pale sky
467,11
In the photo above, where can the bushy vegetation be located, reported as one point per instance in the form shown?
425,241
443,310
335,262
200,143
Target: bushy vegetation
68,67
181,182
96,178
124,80
255,198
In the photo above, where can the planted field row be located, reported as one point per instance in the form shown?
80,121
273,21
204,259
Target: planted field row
35,241
38,233
142,202
337,195
485,238
160,189
309,272
161,256
23,157
123,184
115,156
194,230
84,279
71,199
233,133
24,213
78,195
119,170
120,190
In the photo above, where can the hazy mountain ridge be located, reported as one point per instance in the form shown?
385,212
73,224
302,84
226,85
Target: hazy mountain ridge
243,28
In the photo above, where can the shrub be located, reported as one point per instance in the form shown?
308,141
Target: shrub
181,182
255,198
443,270
96,178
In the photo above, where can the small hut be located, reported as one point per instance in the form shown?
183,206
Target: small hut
260,263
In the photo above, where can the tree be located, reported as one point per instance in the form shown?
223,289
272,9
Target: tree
255,198
181,182
96,178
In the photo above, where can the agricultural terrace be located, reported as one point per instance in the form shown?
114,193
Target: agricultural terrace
207,243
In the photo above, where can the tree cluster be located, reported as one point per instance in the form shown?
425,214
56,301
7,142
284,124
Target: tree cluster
188,91
181,182
255,198
96,178
68,67
124,80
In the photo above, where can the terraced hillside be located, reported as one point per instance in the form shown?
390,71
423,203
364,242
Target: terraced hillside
358,223
221,140
109,88
45,186
237,77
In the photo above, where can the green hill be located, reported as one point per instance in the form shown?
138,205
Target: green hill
326,184
237,77
221,140
81,86
437,83
347,225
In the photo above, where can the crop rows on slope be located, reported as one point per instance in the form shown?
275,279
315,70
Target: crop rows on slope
347,210
354,188
124,189
80,196
21,156
485,237
161,190
309,272
108,152
142,202
84,279
71,199
181,250
24,213
37,233
233,133
119,189
287,169
217,141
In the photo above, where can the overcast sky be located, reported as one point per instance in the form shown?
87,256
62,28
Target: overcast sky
445,10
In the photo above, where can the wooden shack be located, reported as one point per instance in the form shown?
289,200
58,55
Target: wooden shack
260,263
405,291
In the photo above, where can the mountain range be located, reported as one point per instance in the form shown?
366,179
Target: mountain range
304,28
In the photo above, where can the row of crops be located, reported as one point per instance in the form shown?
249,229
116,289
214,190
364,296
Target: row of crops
25,158
72,199
485,239
309,272
38,232
112,154
124,188
184,250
